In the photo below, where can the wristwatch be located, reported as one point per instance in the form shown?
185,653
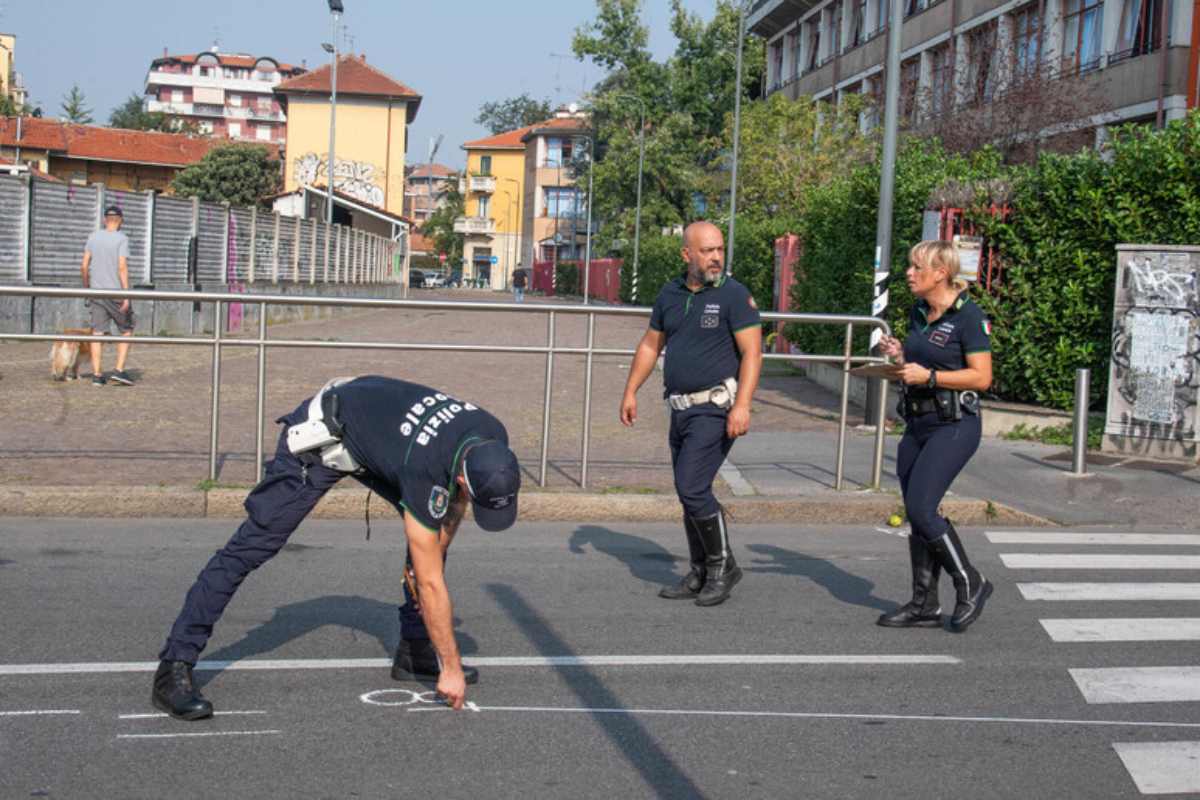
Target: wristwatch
932,382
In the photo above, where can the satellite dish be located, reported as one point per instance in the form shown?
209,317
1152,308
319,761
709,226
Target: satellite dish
573,108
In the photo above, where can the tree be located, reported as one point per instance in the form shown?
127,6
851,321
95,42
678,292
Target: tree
515,112
74,107
132,115
237,174
440,225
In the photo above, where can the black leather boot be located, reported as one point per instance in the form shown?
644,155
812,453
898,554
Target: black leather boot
723,573
417,659
690,584
971,587
923,611
175,693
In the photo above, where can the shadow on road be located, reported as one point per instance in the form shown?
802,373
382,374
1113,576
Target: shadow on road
657,768
647,560
843,586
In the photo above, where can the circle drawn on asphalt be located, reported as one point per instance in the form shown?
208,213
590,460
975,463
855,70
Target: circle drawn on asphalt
399,697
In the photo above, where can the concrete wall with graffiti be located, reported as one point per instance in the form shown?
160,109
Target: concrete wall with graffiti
1154,377
361,180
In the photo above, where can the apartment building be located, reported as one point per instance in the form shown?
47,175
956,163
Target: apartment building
11,84
227,95
494,201
425,188
555,222
967,54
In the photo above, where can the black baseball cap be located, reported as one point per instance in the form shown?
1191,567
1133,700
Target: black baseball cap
493,480
113,211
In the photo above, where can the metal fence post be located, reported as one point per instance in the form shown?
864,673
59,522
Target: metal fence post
296,237
312,258
880,422
253,245
225,255
1079,435
328,249
546,401
214,425
262,391
27,230
275,251
841,444
587,400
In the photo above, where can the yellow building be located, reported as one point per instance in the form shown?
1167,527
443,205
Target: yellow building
494,195
10,81
373,114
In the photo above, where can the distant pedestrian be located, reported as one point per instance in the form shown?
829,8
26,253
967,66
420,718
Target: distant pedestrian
946,360
519,283
106,266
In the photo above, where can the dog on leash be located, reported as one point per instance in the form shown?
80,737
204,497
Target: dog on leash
65,356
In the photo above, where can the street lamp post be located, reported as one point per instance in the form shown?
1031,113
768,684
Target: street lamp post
737,125
511,229
587,250
637,219
335,12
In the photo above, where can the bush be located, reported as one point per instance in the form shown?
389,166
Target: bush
566,278
659,262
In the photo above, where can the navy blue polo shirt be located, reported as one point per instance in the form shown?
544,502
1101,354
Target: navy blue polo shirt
410,439
945,343
701,351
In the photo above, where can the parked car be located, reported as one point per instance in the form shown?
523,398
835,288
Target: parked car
454,281
435,279
416,278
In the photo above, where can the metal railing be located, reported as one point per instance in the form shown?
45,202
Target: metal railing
217,342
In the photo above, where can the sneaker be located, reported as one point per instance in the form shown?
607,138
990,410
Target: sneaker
122,377
98,380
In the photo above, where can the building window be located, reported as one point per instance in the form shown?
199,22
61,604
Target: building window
941,79
910,77
484,207
835,30
235,100
1026,32
263,133
875,92
814,43
1081,34
177,95
882,13
797,43
562,203
776,64
205,127
858,33
485,165
235,130
981,69
558,151
1140,30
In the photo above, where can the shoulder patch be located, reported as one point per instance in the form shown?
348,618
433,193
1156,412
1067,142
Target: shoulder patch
439,501
986,324
753,304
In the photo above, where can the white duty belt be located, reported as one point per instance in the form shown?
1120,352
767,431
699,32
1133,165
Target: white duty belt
314,435
722,396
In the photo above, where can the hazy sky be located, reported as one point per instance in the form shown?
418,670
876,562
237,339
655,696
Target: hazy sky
458,55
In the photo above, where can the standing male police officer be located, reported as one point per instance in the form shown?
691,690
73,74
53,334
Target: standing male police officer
421,450
711,328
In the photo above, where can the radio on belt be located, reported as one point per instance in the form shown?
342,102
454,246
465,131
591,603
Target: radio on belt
315,433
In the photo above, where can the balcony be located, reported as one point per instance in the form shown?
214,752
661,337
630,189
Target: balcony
261,85
474,225
768,17
168,108
484,184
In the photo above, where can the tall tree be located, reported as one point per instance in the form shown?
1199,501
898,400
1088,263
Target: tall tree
515,112
440,225
75,108
237,174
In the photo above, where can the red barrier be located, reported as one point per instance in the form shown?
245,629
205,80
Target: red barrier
787,254
604,279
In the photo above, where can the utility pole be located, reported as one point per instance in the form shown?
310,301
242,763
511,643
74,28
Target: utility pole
335,12
737,127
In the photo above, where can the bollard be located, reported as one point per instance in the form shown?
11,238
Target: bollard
1080,428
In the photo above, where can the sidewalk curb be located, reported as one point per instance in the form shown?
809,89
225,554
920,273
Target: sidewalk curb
868,508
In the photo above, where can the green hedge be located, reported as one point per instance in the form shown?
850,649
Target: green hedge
566,279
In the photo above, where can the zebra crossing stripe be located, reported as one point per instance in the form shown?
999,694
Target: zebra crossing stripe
1109,591
1138,684
1098,561
1159,629
1051,537
1162,767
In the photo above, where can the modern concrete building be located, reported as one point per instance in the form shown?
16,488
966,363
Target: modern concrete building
963,54
224,94
555,222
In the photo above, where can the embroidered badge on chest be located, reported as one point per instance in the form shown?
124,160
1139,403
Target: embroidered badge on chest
940,338
439,501
711,317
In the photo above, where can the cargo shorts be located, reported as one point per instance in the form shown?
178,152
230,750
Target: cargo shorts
106,311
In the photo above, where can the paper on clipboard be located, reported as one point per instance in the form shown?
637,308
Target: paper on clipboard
890,372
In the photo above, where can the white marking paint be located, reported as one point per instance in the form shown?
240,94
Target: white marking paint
1128,629
1110,591
399,697
1162,767
1138,684
159,715
193,735
489,661
48,712
1097,561
1050,537
683,712
737,482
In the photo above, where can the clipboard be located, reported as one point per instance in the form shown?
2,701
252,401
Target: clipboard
889,372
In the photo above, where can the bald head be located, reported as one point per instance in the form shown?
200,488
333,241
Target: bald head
704,252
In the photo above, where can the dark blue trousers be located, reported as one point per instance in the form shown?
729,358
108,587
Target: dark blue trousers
698,449
275,508
929,458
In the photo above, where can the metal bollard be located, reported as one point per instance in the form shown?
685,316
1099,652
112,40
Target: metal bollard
1079,434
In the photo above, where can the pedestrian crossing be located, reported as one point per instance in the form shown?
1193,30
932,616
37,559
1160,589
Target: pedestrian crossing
1154,767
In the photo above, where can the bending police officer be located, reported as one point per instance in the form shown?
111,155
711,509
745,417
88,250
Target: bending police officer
945,361
423,451
710,326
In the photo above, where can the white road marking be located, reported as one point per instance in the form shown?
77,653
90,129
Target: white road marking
185,735
489,661
1128,629
1097,561
40,712
683,712
1162,767
1138,684
1051,537
160,715
736,481
1110,591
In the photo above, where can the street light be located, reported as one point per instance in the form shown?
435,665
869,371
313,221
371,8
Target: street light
737,125
511,229
637,220
335,12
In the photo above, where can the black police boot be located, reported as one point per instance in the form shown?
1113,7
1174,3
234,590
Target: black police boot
417,659
723,573
690,584
923,611
175,693
971,587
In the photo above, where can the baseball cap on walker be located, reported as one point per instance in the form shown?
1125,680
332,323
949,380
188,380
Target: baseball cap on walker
493,480
113,211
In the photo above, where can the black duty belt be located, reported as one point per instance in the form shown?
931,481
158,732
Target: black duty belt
947,403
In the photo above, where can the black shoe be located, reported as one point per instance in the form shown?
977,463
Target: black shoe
971,588
691,584
98,380
417,659
175,694
723,573
923,611
121,377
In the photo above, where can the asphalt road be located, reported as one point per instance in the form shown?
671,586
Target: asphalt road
842,708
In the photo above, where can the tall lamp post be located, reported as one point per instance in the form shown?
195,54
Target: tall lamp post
637,219
511,228
335,13
737,126
587,250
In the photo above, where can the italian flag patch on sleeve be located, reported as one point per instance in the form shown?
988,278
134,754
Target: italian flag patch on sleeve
987,327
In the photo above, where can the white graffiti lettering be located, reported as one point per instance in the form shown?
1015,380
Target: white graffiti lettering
356,179
1153,285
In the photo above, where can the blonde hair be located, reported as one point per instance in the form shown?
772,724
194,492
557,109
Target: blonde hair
935,253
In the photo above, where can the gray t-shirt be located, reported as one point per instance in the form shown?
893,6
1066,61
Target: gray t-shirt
106,247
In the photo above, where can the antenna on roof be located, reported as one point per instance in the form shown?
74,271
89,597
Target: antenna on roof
558,76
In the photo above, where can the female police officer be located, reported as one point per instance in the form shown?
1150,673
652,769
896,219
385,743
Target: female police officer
944,363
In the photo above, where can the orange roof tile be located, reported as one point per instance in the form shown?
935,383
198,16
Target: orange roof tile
42,134
501,141
355,76
556,124
436,170
228,60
